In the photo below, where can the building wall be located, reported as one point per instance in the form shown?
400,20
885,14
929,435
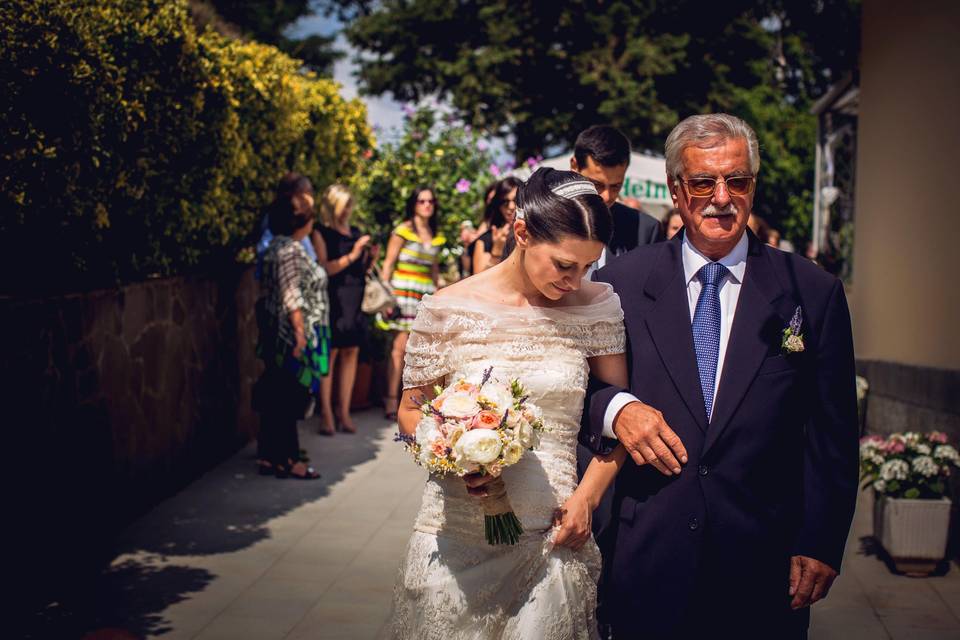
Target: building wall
905,296
906,276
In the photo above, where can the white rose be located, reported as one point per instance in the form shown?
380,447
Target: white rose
879,486
478,445
426,456
794,344
460,405
514,418
427,430
498,395
532,413
512,453
528,436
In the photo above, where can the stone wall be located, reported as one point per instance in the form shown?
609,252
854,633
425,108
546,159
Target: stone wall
910,398
115,399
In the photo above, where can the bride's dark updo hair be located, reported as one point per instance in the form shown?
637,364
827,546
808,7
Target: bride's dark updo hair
563,203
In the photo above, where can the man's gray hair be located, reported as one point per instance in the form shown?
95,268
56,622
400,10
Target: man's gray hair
706,131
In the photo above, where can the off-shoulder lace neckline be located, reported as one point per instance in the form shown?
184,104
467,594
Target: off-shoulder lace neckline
603,296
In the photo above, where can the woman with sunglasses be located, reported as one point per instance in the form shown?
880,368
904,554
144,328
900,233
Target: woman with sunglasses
412,267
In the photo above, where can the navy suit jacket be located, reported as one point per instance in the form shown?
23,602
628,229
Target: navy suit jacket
775,472
631,228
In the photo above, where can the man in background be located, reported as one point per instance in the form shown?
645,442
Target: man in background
601,154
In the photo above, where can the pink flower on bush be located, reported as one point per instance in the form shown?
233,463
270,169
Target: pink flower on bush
495,170
871,438
894,446
531,162
938,437
463,185
486,419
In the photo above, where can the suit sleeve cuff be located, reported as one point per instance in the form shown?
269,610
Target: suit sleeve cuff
618,402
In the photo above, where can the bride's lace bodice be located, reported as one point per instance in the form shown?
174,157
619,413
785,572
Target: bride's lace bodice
547,349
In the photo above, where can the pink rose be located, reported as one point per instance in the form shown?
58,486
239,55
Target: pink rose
486,419
937,436
439,448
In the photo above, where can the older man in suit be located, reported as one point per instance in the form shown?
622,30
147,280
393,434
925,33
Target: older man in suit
732,514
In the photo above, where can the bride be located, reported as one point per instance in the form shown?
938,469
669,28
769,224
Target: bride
532,317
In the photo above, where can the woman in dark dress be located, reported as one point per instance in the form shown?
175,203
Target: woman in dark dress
344,252
487,249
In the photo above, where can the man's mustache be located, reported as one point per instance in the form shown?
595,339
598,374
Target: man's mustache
713,210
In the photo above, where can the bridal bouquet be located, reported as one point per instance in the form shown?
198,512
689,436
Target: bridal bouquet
479,427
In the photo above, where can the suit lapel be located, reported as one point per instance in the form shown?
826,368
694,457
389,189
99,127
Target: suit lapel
756,325
669,324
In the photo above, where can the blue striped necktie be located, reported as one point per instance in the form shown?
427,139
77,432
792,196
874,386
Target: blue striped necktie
706,330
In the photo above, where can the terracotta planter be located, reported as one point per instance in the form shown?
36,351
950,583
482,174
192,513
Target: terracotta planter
913,532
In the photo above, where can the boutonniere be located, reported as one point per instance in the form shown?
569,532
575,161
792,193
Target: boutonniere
792,336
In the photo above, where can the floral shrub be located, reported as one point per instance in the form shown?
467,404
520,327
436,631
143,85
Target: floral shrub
908,465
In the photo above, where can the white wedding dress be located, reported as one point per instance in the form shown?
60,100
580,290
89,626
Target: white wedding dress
452,584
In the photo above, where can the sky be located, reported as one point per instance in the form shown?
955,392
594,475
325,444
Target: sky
383,112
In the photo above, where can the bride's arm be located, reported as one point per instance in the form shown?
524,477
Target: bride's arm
576,514
408,413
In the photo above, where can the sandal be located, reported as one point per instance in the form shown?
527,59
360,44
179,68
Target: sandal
342,427
326,432
285,471
387,414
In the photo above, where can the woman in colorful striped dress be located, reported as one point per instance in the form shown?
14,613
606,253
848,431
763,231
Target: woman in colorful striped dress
412,267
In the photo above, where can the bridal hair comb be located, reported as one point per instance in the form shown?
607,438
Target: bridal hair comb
575,188
566,190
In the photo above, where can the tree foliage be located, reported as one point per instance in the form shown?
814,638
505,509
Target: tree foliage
134,146
541,72
434,151
268,22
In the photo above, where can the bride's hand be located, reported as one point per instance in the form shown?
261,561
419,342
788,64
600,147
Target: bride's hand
574,518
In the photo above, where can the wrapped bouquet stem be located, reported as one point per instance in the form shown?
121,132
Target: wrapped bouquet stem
479,427
500,523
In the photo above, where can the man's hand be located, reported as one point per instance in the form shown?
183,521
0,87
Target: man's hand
648,439
810,580
476,484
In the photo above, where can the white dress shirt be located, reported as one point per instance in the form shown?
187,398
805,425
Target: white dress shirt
693,260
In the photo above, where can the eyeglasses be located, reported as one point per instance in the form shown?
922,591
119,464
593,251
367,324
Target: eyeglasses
426,201
705,187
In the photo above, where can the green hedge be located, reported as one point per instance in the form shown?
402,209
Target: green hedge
132,145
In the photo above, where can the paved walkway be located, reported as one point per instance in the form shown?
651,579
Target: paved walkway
238,556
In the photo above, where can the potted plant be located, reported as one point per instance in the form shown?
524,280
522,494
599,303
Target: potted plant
909,475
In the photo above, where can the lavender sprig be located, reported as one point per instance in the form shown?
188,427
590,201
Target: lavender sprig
486,377
405,438
796,323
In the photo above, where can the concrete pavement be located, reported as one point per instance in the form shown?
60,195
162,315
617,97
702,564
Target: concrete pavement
239,556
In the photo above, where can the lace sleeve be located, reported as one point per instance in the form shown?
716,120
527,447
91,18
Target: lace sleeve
607,335
427,360
606,338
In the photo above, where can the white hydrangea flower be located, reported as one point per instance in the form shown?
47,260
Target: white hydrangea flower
879,486
946,452
925,466
923,449
894,470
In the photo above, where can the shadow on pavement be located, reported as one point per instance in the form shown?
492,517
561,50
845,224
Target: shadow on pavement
226,510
